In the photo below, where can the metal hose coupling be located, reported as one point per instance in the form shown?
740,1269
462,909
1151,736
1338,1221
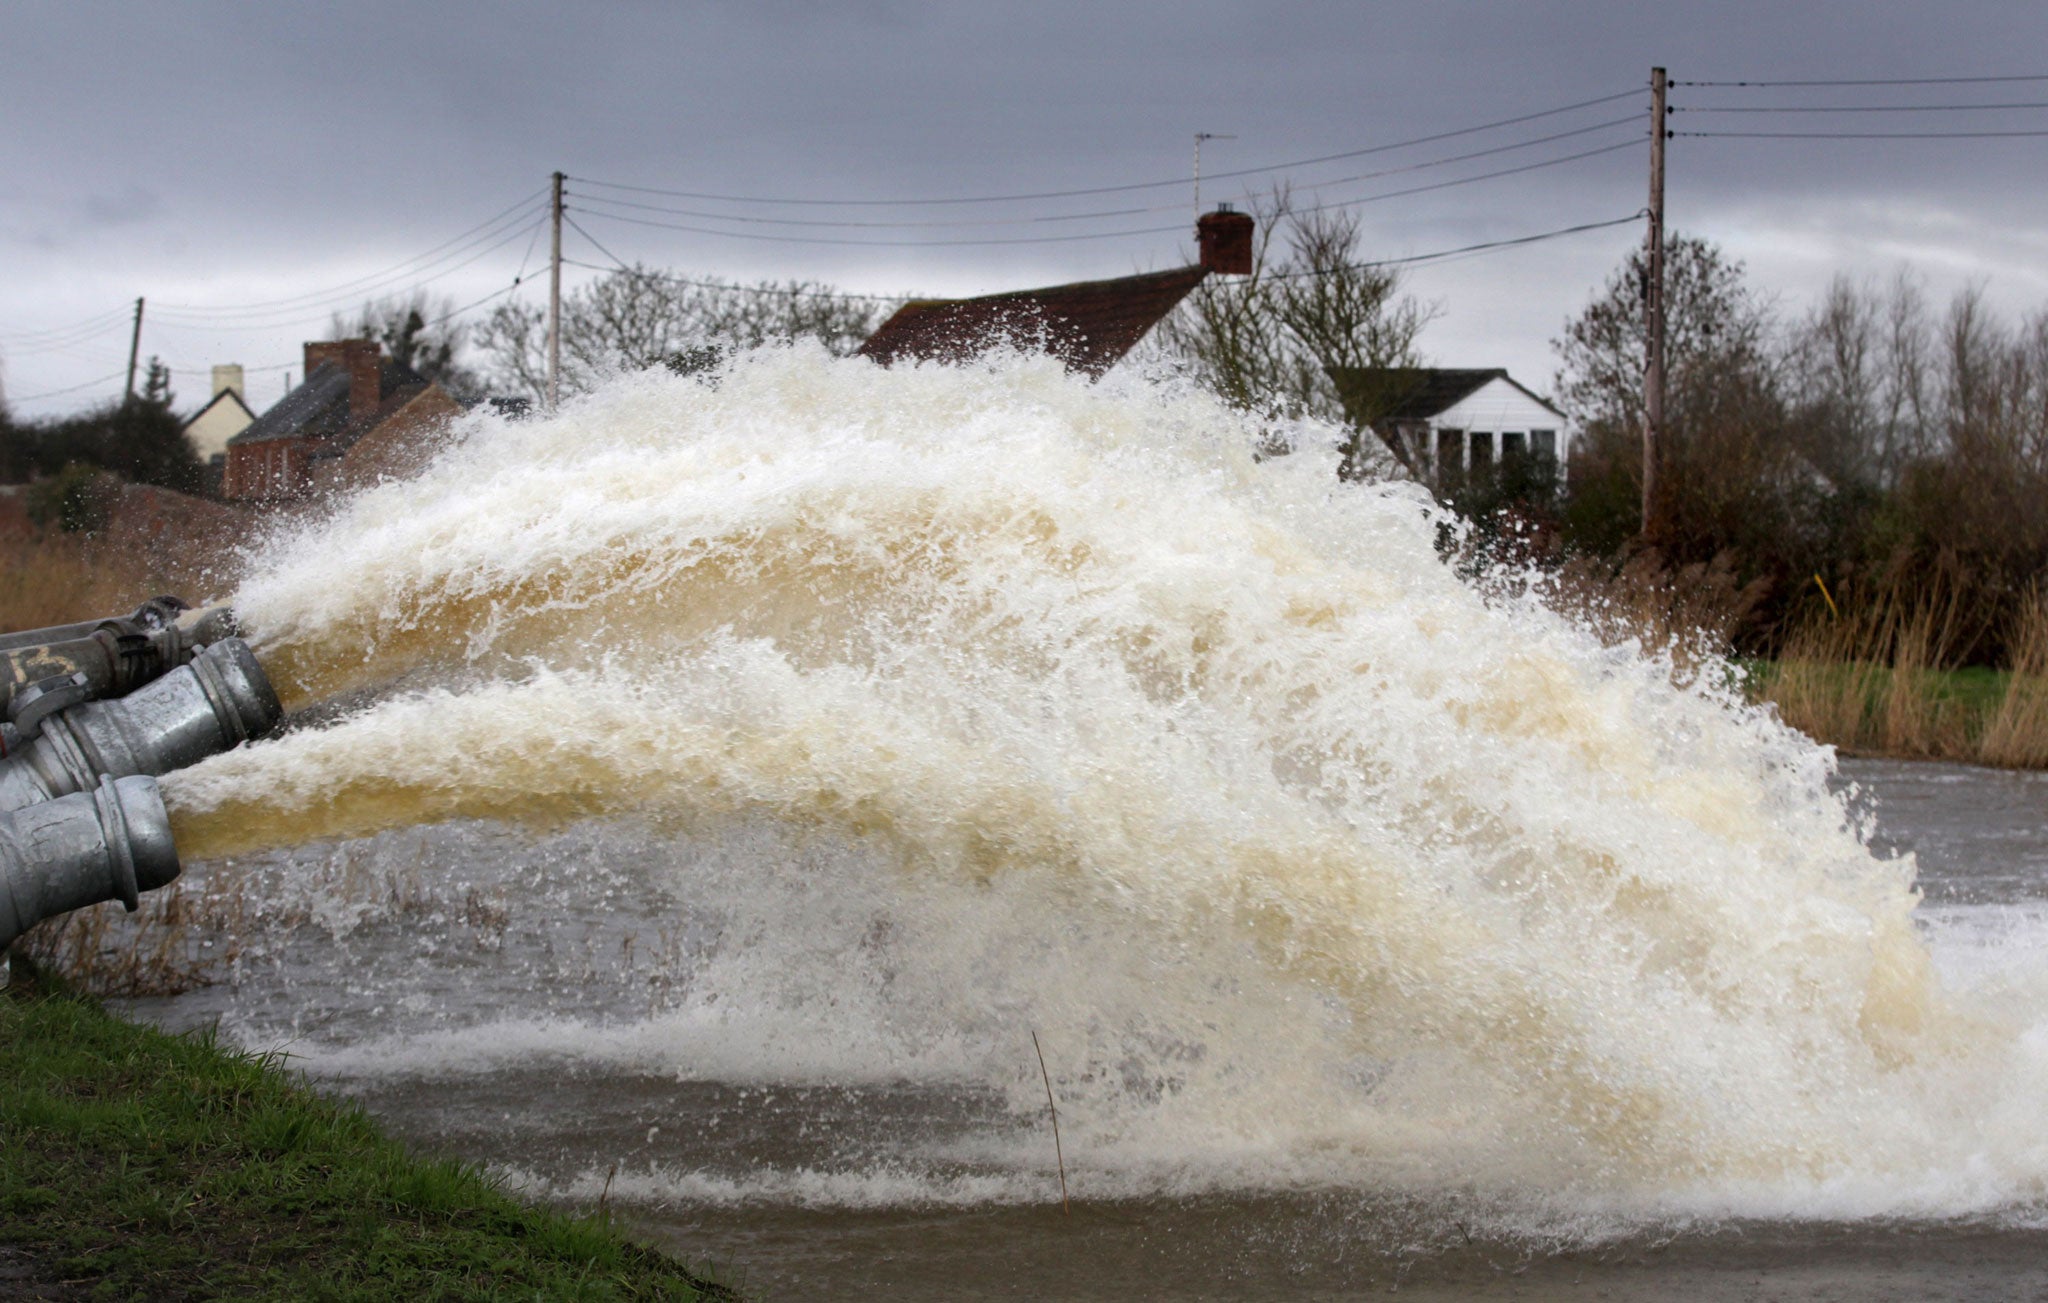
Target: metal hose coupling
217,701
44,671
110,843
153,614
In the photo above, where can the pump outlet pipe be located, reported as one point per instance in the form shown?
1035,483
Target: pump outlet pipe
110,843
217,701
43,671
151,615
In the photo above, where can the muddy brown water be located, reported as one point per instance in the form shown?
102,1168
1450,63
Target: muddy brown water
513,999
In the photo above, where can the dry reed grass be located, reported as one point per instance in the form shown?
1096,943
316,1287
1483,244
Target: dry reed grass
61,578
2016,736
1876,674
1688,614
1881,677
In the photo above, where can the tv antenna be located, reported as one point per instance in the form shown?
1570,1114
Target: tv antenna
1201,136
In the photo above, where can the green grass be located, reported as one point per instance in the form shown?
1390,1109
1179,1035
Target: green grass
1974,692
138,1165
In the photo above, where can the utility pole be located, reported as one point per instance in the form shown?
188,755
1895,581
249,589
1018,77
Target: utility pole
555,305
1201,136
1653,318
134,349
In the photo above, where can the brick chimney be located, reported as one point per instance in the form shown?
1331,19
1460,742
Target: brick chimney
363,359
1225,239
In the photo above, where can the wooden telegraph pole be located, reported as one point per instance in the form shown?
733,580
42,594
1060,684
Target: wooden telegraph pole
1653,319
555,305
134,350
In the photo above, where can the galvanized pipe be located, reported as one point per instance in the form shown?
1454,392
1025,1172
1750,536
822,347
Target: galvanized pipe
219,700
110,843
152,614
45,670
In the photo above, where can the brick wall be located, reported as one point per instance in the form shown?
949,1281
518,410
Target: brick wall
401,444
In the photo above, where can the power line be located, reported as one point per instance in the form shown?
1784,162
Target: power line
89,325
1104,235
1858,108
1875,81
758,291
1487,246
485,230
55,393
718,285
60,344
314,311
828,221
1118,189
620,265
315,307
1858,135
734,287
450,316
1469,180
1101,213
827,239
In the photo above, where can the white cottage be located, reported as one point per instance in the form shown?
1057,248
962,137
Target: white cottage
225,415
1446,425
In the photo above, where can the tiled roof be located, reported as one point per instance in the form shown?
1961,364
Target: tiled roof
318,407
1089,325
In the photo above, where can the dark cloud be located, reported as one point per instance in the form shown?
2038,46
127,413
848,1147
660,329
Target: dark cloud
135,203
281,149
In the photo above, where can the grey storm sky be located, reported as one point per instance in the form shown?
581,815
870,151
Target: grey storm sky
219,158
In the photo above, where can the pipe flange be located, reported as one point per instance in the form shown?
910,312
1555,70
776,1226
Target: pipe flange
120,856
77,761
219,697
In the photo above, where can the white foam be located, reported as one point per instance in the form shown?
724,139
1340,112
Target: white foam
1316,862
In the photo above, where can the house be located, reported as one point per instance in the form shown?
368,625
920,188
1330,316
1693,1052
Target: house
225,415
1448,425
357,415
1089,325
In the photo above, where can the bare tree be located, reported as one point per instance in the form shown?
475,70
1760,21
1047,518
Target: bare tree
1859,367
1737,474
1268,341
639,317
418,331
1715,326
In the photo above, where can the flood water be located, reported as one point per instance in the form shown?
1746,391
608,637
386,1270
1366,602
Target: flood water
708,802
488,996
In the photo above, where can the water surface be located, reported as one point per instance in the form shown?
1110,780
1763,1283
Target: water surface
701,797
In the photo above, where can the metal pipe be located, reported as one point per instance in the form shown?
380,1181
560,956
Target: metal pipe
110,843
152,614
45,670
217,701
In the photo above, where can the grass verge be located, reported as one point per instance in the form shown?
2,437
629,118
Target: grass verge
1882,683
138,1165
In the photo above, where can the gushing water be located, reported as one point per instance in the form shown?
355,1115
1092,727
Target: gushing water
1324,867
